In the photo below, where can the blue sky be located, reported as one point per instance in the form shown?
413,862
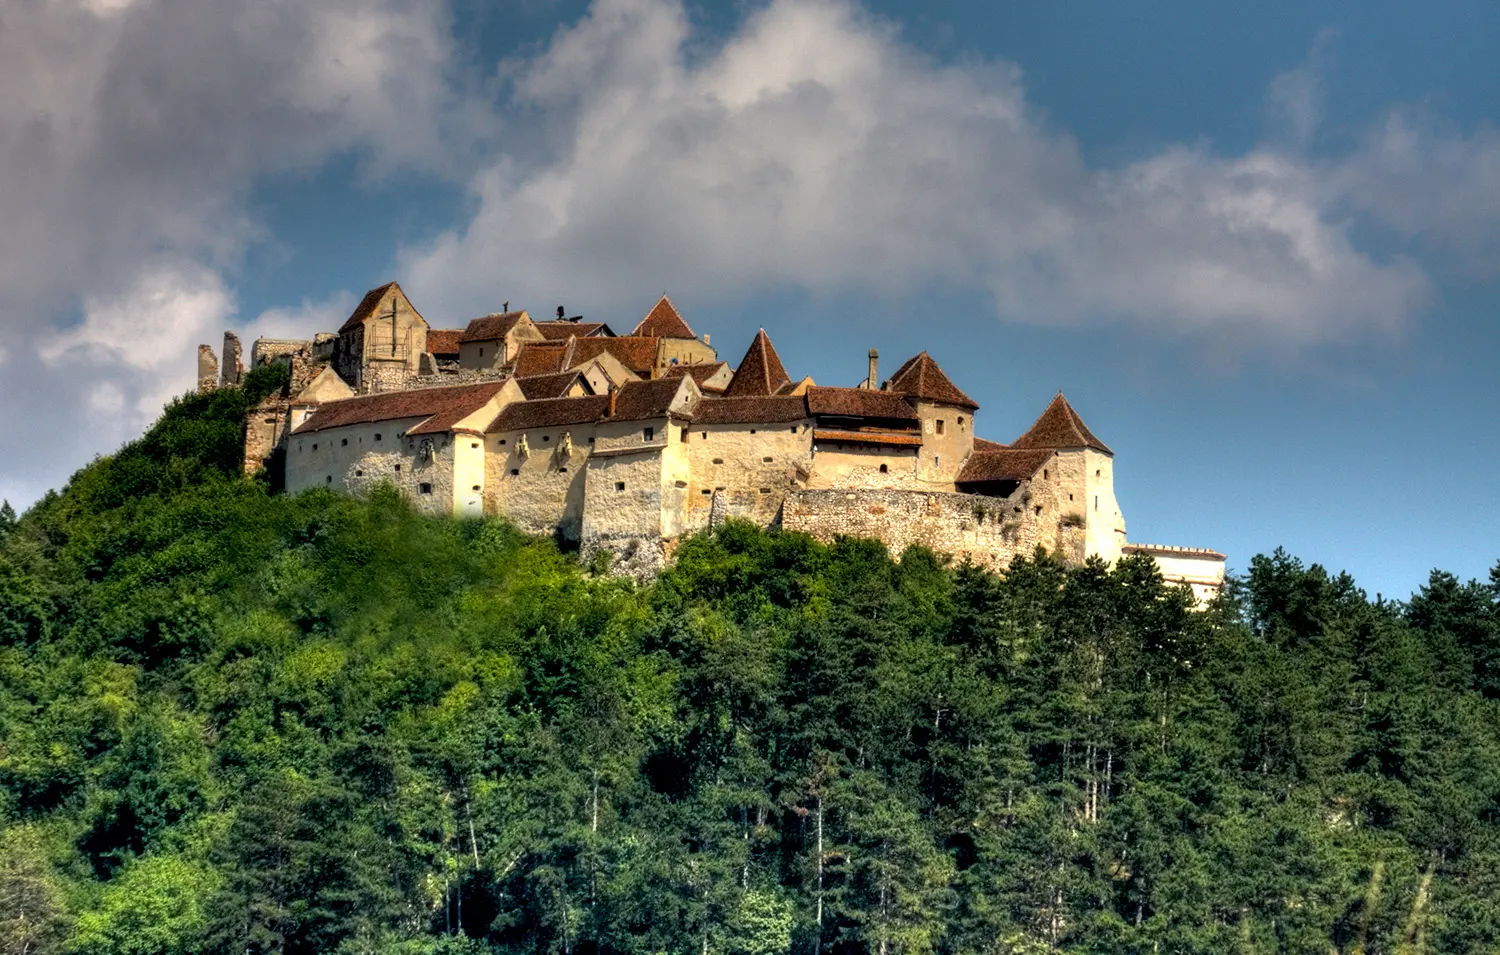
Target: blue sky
1257,246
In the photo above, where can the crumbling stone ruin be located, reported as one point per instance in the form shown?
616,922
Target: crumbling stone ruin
626,444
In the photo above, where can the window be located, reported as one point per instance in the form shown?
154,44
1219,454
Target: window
424,488
1096,502
328,479
703,435
476,487
358,473
515,472
679,484
398,468
502,440
345,442
960,422
315,447
562,470
1070,497
1096,472
794,429
752,430
885,469
1038,510
377,436
591,439
765,460
648,434
619,485
705,492
481,352
937,461
940,426
473,444
765,490
718,460
1044,474
684,434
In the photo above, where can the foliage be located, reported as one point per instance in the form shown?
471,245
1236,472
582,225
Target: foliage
232,721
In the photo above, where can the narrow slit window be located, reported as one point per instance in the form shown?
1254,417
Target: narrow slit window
648,434
885,469
940,426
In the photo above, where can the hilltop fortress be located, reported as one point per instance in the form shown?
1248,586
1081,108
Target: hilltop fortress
628,443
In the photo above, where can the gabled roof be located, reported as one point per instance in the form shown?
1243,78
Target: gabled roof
858,403
443,341
548,386
664,321
985,444
921,378
760,372
634,352
562,331
488,328
985,467
700,372
1059,427
539,358
643,400
767,410
368,304
549,413
441,407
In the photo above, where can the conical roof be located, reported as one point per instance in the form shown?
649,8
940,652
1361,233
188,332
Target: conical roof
760,372
1059,427
664,321
921,378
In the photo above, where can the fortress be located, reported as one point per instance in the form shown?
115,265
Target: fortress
628,443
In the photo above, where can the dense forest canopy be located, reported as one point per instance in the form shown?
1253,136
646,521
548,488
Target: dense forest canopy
239,722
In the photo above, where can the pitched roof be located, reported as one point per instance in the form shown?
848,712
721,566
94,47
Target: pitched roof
539,358
443,341
664,321
562,331
753,410
921,378
858,403
366,306
487,328
700,372
548,386
760,372
642,400
1060,427
441,407
985,444
896,439
1010,465
634,352
549,413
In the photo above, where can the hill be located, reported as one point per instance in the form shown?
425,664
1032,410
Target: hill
232,721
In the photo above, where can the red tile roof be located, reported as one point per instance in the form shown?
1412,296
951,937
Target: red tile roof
868,437
858,403
766,410
562,331
642,400
488,328
700,371
366,306
634,352
1060,427
440,407
443,341
550,413
760,372
984,467
539,358
548,386
921,378
984,444
664,321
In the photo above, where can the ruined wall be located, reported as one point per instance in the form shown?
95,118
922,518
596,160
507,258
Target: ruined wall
208,368
542,490
988,530
728,474
266,426
355,458
232,368
837,464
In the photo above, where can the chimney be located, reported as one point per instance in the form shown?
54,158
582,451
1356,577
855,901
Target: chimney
705,338
506,307
560,313
873,382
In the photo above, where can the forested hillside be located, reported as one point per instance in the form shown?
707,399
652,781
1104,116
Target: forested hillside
238,722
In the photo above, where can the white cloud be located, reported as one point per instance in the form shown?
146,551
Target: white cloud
815,150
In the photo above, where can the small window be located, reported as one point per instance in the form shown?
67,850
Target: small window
684,434
377,436
398,468
1070,497
680,484
937,460
619,485
345,442
794,429
960,422
752,430
940,426
705,492
315,447
481,352
502,440
562,470
591,439
328,479
424,488
515,472
885,469
718,460
703,435
648,434
1096,472
473,444
546,437
1044,474
765,490
765,460
476,487
1038,510
1096,502
358,473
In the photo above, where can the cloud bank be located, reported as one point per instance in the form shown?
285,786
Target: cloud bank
813,150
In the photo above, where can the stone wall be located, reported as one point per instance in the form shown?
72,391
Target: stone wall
742,470
540,491
844,464
988,530
232,367
208,368
356,458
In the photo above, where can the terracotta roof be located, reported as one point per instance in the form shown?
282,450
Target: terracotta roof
641,400
539,358
441,407
443,341
488,328
766,410
760,372
1060,427
868,437
984,444
701,372
859,403
664,321
634,352
550,413
1010,465
921,378
562,331
366,307
548,386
